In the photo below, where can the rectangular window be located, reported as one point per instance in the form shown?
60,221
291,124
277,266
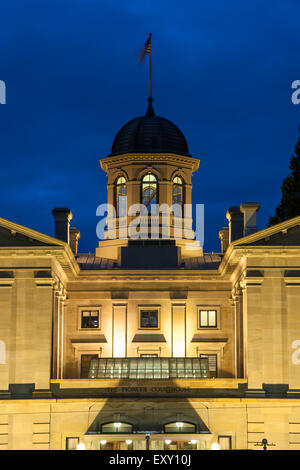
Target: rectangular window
225,442
90,319
148,318
207,318
72,443
212,364
85,364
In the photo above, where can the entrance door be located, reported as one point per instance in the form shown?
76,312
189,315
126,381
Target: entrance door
85,364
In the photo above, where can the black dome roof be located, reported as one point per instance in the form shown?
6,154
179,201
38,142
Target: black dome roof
149,134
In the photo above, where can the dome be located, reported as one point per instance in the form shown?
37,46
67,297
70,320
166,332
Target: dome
149,134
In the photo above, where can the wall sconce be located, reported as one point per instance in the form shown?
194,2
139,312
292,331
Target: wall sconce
81,446
215,446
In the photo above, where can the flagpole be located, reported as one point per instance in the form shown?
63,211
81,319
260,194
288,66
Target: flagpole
150,68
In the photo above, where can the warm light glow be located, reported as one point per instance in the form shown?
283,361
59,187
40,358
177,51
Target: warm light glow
179,349
193,442
167,441
119,343
128,442
103,443
117,425
81,446
179,425
119,346
215,446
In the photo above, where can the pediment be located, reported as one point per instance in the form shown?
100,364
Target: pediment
14,235
284,234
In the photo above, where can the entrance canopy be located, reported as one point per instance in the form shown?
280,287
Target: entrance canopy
149,368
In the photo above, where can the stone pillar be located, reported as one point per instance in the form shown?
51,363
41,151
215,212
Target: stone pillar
119,330
178,330
237,297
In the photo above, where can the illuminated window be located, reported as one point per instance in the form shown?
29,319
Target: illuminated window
120,193
207,318
148,318
212,364
180,427
116,427
177,196
149,191
90,319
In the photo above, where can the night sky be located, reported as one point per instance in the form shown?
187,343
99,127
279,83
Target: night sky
222,72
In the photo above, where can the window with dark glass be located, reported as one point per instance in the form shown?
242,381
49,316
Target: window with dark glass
120,195
177,196
85,364
148,318
149,191
90,319
207,318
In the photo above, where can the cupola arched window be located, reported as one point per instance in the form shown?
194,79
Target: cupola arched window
149,190
177,192
120,192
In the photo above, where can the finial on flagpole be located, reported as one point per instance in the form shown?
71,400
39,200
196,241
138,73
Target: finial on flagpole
150,67
150,111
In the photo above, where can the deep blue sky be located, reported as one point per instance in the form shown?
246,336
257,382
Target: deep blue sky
222,71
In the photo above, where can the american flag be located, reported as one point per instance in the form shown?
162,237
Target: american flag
146,49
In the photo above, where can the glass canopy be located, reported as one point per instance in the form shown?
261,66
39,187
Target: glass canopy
149,368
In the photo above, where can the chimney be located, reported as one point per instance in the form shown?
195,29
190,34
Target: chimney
235,222
62,217
74,237
249,210
224,237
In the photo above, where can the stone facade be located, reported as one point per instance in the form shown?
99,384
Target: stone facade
59,310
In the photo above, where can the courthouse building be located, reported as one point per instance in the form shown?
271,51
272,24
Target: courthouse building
150,342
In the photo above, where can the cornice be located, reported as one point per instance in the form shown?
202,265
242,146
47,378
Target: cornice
268,232
107,162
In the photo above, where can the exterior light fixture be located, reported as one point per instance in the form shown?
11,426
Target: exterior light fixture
81,446
103,443
179,425
117,425
128,442
167,441
193,441
215,446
